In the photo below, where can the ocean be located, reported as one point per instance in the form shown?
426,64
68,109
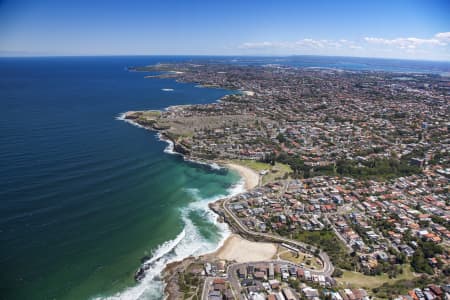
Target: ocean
84,196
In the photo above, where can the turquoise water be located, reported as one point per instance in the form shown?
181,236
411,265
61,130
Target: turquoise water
85,196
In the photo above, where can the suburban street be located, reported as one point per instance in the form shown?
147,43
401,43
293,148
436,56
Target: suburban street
234,281
328,267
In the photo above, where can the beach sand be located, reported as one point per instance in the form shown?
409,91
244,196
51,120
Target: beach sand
251,177
237,248
241,250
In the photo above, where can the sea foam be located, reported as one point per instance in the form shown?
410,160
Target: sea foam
187,243
121,117
170,145
170,150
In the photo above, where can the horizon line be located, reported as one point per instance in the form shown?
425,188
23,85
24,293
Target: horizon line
216,55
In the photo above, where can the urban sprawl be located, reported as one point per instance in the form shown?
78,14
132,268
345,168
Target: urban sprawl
354,176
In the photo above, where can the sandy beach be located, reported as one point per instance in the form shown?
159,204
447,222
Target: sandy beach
241,250
235,247
250,176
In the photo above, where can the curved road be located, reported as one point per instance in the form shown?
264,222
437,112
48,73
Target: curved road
328,267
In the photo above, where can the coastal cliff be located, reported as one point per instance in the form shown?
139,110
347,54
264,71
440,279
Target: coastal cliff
179,148
149,120
171,279
175,275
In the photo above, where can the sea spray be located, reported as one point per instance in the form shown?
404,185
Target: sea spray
84,182
187,243
122,117
170,150
170,145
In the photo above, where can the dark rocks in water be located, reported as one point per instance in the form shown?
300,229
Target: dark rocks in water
180,149
139,275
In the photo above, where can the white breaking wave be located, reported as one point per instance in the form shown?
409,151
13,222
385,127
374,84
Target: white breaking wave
170,146
170,150
215,166
121,117
150,287
189,242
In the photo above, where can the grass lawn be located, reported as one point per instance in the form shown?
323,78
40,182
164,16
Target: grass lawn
302,258
252,164
274,172
331,244
358,280
151,114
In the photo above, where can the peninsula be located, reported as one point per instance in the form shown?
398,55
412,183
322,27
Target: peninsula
352,200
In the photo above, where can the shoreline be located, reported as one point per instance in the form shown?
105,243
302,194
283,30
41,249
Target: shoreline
231,247
251,180
236,248
250,177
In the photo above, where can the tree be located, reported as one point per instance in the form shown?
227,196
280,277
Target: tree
337,273
420,263
281,138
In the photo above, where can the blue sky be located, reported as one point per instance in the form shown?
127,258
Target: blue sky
396,28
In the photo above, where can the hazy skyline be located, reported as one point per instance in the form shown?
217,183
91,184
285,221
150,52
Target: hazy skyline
391,29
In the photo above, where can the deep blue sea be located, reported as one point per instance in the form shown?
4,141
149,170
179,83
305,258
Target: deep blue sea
84,196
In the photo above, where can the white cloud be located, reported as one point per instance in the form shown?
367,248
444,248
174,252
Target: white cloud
435,47
439,39
307,43
355,47
443,36
256,45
